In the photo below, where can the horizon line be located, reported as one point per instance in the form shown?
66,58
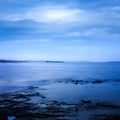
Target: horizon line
35,60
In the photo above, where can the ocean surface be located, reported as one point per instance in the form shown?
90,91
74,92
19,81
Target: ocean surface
56,80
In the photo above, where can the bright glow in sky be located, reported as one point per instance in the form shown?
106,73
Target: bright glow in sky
72,30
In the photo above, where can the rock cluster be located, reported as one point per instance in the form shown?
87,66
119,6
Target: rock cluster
29,104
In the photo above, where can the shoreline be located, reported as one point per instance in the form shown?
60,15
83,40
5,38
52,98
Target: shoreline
29,103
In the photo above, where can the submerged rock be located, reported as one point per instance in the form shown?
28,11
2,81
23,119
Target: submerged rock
11,118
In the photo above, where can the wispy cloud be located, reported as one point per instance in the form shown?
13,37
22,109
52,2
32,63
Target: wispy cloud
66,14
95,34
46,14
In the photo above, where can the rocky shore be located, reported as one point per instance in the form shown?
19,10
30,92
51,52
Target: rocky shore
30,104
89,81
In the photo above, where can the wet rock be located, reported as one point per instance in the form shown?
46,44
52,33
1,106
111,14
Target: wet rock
74,81
56,118
106,105
82,82
77,81
86,101
32,87
22,104
3,117
29,104
88,104
76,108
105,117
97,81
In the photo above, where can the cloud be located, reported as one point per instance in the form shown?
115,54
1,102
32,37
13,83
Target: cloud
52,30
65,16
95,34
102,33
46,14
74,34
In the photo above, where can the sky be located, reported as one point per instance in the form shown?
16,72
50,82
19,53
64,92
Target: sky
70,30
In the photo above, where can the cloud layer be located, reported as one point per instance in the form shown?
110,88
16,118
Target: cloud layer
64,30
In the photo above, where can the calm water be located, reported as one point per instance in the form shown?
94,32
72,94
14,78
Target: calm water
14,76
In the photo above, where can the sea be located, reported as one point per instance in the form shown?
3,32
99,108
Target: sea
57,80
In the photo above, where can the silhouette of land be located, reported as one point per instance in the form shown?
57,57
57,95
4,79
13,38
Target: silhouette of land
25,61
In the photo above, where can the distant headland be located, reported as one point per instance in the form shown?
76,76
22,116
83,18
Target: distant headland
26,61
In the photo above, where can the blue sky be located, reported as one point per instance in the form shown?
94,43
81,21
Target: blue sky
72,30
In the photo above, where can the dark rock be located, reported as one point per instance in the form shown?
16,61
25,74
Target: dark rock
105,117
97,81
106,105
86,101
76,108
32,87
3,117
30,104
22,104
77,81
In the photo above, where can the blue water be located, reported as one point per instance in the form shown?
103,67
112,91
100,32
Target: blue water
14,76
13,73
